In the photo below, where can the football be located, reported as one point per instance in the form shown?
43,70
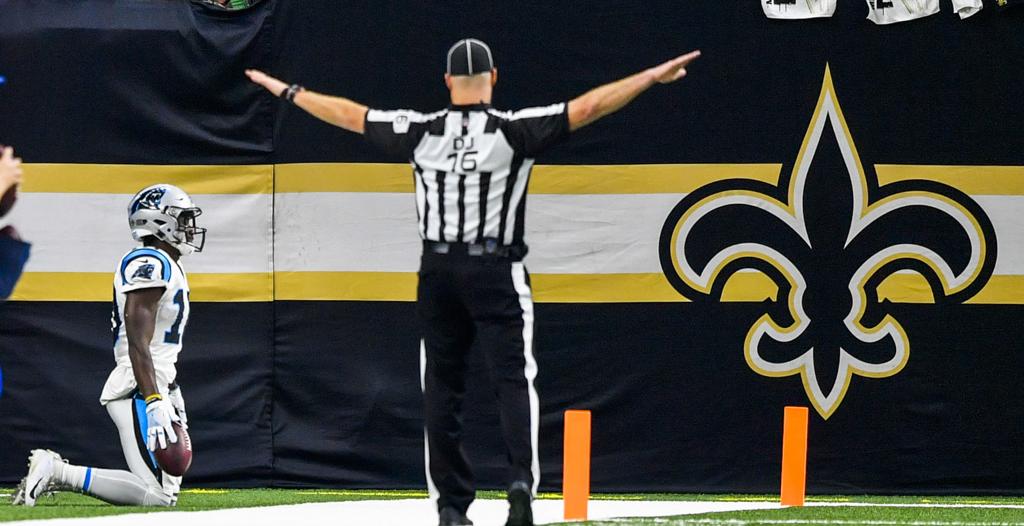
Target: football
8,200
176,459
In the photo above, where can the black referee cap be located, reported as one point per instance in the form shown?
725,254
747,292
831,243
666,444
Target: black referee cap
469,56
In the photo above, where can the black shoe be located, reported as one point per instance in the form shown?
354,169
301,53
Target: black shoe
452,517
520,510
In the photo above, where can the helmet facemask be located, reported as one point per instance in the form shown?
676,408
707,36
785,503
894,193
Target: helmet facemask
188,237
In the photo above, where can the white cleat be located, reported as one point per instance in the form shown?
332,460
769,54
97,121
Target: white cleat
19,496
42,466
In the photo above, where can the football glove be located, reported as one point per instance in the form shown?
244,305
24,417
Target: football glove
174,395
160,415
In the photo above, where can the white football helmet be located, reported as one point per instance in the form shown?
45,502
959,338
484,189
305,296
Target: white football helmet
168,213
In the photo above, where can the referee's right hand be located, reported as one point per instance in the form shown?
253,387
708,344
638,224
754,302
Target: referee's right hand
273,85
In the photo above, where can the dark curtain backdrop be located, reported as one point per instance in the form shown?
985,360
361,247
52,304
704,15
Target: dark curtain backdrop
327,393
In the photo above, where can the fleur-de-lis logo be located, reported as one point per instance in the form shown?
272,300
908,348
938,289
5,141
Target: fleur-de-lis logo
828,235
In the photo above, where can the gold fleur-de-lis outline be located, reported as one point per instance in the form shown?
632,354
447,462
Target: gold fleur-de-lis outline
791,213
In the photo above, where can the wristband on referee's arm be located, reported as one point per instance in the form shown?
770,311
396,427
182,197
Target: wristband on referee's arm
290,92
153,398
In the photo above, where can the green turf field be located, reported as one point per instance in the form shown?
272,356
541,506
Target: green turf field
65,504
868,511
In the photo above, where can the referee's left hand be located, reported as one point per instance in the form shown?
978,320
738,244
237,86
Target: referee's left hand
274,86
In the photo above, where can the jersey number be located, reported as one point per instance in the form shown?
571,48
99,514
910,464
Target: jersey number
173,335
464,161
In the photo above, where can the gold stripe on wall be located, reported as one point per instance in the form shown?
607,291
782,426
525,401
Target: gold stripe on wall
912,288
633,179
1001,290
247,287
397,178
546,179
64,286
130,178
602,288
401,286
345,286
344,177
98,286
547,288
972,180
744,286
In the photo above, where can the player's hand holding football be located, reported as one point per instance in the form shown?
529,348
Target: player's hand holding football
178,403
10,169
160,416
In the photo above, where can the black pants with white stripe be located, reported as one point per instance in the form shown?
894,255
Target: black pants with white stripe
462,298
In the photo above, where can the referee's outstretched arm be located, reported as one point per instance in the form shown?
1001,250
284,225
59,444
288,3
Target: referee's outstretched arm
583,110
609,98
338,111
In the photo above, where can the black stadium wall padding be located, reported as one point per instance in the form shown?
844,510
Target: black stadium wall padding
301,359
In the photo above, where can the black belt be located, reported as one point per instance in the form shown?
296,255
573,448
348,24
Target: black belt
489,248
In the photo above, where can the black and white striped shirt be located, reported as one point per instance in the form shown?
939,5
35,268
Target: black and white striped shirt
472,165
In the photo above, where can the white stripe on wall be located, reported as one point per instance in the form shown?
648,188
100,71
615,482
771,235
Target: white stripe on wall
348,232
89,232
377,232
1005,214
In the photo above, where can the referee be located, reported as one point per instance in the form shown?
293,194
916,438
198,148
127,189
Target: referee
472,165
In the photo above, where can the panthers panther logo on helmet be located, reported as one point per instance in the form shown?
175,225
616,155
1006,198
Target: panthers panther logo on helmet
148,199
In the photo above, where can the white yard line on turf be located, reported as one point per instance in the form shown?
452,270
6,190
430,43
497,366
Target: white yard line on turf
406,512
824,522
